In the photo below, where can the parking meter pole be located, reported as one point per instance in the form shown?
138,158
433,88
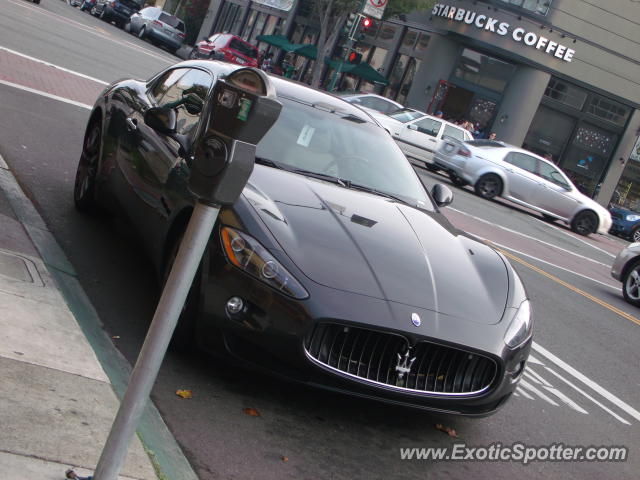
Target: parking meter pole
155,345
343,60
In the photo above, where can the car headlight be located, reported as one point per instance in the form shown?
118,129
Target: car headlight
246,253
520,328
632,218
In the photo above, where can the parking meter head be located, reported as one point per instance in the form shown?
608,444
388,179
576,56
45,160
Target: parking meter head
241,109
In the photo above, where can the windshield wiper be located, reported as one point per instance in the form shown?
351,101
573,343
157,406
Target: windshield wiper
269,163
364,188
321,176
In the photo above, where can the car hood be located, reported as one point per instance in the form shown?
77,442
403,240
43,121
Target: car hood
370,245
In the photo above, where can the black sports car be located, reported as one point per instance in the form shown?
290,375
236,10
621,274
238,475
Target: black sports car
335,267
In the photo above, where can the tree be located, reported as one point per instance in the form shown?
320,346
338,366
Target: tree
331,15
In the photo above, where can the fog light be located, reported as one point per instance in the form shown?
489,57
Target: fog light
518,370
235,305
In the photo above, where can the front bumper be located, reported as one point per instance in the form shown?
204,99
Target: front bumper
623,258
272,332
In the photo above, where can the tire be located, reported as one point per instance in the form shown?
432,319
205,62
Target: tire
488,186
635,234
585,222
631,284
457,181
103,15
84,189
142,33
194,53
184,333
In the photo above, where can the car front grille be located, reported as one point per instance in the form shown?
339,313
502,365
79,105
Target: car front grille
382,358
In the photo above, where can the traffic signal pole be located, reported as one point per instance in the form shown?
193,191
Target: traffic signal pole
343,60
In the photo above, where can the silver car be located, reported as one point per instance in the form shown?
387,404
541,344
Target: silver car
371,102
497,169
626,268
158,26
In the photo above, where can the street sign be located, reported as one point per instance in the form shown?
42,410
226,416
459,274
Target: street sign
375,8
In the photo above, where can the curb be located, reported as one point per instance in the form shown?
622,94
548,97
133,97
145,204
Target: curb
164,452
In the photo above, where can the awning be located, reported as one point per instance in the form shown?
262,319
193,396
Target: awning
362,70
305,49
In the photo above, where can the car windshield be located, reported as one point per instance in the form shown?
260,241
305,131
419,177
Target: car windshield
243,48
405,115
324,141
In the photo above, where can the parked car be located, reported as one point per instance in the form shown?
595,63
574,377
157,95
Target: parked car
419,135
626,268
158,26
626,223
498,169
335,267
227,47
75,3
371,101
117,11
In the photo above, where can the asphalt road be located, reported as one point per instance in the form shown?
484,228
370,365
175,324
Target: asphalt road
582,386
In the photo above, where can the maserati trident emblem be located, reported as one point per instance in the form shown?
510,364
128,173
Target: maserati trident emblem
415,319
403,366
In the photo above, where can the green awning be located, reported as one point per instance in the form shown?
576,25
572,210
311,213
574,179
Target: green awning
362,70
275,40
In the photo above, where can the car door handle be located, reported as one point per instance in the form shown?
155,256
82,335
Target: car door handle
132,124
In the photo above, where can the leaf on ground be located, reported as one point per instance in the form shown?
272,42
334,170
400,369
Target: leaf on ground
184,393
448,430
116,337
252,412
285,459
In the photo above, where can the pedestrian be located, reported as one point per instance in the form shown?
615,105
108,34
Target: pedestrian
492,136
439,114
266,63
548,156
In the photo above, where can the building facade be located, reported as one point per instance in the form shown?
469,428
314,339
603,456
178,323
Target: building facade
558,77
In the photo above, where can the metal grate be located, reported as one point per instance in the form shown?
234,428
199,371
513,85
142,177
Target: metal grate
386,358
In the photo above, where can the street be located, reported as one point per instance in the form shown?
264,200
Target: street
581,387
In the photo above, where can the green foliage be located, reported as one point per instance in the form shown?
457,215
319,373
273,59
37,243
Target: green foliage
397,7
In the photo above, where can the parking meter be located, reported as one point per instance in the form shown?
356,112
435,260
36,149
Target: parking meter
238,114
242,109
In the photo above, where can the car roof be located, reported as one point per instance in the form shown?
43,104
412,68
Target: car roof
286,88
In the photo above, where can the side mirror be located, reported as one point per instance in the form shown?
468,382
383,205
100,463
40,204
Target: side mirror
412,126
441,195
161,119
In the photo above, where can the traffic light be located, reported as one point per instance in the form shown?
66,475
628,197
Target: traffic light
354,58
365,24
351,24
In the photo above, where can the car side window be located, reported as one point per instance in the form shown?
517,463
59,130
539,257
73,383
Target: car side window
454,132
520,160
185,90
429,126
552,174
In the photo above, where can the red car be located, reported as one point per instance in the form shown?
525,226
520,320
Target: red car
224,46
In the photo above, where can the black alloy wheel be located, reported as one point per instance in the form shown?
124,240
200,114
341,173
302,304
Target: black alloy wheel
489,186
585,222
631,284
635,234
84,189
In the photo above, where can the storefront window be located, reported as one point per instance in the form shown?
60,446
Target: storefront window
409,39
627,193
483,70
535,6
608,110
423,42
387,31
257,29
375,60
249,25
566,93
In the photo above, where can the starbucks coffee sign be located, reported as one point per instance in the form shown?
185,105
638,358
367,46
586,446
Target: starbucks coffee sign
494,25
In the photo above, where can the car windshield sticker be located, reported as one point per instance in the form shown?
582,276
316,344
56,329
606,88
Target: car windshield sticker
305,136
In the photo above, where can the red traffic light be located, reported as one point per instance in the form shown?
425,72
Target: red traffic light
354,58
366,22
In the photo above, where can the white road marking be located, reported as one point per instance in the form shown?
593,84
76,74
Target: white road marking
523,393
515,232
579,390
524,384
584,379
58,67
575,237
614,287
45,94
534,360
94,31
529,373
537,378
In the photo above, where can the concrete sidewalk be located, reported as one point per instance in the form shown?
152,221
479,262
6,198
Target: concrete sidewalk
61,375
